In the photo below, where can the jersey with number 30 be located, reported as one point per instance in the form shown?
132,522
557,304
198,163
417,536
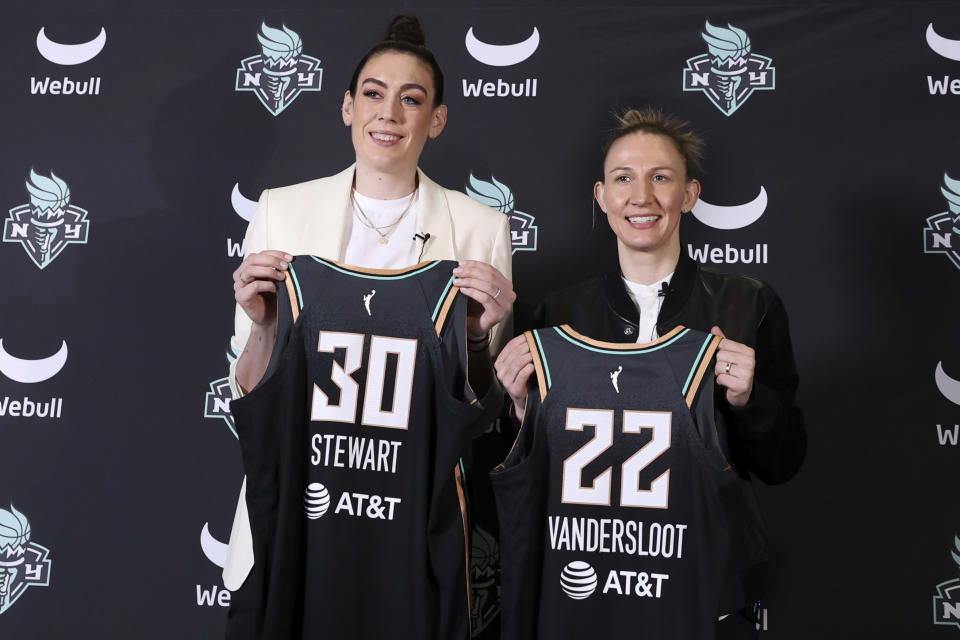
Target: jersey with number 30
351,447
618,509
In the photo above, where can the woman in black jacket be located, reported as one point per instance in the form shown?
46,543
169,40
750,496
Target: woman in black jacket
647,186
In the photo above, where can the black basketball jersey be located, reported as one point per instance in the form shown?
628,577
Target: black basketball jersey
616,503
351,448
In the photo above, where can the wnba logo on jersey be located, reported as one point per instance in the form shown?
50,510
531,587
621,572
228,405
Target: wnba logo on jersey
48,223
942,234
281,72
946,604
496,195
23,563
728,73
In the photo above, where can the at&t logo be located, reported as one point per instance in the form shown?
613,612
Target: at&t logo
23,562
729,72
496,195
281,72
501,55
68,55
49,222
942,234
578,580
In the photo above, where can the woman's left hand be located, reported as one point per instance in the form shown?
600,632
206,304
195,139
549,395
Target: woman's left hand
491,296
734,370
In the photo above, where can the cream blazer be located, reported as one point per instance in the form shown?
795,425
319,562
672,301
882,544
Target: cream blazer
313,218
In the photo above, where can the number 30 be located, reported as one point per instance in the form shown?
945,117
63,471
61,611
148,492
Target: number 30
373,413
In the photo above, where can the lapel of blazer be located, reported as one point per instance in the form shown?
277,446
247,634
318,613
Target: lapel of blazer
433,217
329,212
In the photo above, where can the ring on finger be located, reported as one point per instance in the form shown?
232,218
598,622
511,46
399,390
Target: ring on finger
727,368
497,294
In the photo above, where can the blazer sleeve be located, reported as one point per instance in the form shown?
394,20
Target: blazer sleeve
501,258
255,240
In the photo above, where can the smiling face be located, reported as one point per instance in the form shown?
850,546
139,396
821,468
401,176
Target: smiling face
644,192
392,113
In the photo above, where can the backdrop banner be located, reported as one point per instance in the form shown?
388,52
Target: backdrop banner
137,141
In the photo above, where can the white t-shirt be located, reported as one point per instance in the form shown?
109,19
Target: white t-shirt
648,301
364,248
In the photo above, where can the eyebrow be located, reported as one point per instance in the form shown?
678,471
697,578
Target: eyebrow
629,168
403,87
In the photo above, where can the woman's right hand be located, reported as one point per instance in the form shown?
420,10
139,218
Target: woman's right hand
514,366
255,284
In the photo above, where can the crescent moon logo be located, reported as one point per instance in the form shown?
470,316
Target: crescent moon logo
949,387
241,205
944,46
30,371
215,550
734,217
502,55
70,54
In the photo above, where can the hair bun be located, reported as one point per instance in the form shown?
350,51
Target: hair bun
406,28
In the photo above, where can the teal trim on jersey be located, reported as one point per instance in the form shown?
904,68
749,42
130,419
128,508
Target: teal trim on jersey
618,352
443,296
296,284
696,365
543,359
374,276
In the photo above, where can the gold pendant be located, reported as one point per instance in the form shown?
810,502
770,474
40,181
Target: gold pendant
383,240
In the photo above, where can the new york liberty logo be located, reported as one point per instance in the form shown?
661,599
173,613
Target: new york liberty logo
281,72
23,563
946,604
729,72
49,222
216,401
496,195
942,234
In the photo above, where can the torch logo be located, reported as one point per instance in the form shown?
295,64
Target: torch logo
942,234
23,563
216,402
728,73
495,194
48,223
946,604
281,72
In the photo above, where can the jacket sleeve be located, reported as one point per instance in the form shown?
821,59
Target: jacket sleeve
240,549
768,434
255,240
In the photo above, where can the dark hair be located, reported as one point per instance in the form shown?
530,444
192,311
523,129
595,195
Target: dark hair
651,120
404,35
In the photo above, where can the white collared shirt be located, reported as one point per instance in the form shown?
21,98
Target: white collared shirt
647,299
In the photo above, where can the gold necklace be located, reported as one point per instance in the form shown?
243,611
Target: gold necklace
365,221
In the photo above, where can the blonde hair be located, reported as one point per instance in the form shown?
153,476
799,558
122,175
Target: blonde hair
653,120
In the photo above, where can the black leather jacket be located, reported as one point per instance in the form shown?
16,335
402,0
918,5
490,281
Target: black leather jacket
766,436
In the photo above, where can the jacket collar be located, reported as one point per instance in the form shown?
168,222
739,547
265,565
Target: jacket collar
677,294
433,216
